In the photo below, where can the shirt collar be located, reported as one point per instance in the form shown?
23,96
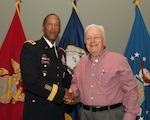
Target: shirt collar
49,43
100,54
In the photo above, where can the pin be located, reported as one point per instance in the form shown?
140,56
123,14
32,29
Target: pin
102,71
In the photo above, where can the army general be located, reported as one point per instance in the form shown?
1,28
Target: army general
44,74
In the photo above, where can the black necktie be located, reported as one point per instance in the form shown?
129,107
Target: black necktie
54,51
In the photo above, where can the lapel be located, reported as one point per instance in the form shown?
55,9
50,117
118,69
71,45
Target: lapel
47,50
58,52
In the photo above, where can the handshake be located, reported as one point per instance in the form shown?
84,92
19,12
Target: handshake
68,97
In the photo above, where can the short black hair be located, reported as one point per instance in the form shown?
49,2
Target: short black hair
50,15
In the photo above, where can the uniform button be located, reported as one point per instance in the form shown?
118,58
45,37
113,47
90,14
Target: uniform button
57,67
45,65
33,101
57,75
46,47
57,83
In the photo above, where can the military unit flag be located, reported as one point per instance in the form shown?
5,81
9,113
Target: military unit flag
11,87
72,42
138,54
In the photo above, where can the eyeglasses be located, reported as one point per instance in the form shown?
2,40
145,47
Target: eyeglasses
94,38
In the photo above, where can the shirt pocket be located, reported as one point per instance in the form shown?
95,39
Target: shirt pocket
106,77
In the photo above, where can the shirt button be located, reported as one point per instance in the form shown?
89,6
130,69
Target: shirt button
96,60
92,74
91,98
92,86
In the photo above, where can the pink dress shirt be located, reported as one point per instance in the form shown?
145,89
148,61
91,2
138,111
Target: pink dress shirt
106,80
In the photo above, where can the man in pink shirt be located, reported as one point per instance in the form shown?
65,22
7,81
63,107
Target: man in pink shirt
104,81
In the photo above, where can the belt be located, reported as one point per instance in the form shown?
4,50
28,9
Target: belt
100,108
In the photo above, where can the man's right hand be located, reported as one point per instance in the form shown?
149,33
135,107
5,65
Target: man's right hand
68,97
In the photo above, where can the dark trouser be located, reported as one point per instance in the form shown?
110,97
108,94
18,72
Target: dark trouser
113,114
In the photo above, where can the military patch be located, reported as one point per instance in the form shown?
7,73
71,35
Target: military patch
53,92
48,87
31,42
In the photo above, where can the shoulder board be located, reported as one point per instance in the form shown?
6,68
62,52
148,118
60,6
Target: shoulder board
62,50
31,42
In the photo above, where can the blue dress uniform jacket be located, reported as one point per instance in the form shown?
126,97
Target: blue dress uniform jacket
44,76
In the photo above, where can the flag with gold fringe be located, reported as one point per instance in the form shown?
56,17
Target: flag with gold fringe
138,54
72,42
11,87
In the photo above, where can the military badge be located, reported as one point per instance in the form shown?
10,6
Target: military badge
45,59
31,42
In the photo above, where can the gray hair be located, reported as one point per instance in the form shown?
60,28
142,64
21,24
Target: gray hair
99,27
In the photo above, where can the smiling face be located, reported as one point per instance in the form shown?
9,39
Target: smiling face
95,40
51,27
